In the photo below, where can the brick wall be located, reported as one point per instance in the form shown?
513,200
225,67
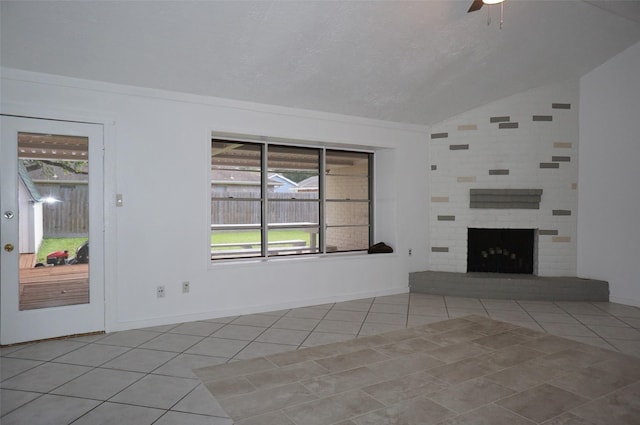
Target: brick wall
527,141
347,183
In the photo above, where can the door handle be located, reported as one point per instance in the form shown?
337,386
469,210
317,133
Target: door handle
8,247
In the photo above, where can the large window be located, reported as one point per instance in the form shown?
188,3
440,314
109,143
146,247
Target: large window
272,200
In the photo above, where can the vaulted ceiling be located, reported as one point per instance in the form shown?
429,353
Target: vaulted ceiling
413,62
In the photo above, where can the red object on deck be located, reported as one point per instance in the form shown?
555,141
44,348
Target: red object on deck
58,257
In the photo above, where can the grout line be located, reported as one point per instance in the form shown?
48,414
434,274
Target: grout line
484,307
622,319
446,307
178,402
87,412
24,404
529,314
26,370
591,330
406,322
315,327
365,316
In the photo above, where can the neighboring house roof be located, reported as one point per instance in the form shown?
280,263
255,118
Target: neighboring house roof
308,185
285,185
283,179
32,190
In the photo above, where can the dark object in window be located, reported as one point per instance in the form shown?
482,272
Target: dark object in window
380,248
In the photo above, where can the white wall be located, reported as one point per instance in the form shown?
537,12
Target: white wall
525,141
609,185
157,157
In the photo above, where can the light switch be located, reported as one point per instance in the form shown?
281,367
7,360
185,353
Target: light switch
118,199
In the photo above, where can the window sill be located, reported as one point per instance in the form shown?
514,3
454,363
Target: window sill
297,258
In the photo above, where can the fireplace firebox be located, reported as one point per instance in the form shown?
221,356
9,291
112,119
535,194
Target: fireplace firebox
500,250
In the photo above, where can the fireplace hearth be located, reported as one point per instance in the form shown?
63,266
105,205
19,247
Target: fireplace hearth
500,250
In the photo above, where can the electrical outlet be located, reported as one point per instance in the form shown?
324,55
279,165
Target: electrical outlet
160,291
410,251
185,287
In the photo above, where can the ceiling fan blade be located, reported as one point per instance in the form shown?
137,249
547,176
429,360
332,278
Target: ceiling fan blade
476,5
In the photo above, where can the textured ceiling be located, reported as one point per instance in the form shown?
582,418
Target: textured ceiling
413,62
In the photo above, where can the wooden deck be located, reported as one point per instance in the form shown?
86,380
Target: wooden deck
53,286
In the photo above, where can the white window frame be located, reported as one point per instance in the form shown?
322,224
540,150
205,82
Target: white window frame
322,225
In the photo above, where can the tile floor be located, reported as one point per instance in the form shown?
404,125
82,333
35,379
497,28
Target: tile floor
145,376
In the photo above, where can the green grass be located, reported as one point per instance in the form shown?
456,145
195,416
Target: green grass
254,236
50,245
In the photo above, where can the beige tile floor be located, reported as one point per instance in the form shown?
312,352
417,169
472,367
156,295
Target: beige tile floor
145,376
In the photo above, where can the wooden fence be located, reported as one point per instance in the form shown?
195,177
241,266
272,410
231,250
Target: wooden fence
282,208
70,216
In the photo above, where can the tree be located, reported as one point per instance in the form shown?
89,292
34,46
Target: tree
50,167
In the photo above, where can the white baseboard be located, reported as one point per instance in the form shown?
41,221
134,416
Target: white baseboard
167,320
627,301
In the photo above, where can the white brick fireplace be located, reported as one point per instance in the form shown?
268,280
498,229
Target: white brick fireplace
526,143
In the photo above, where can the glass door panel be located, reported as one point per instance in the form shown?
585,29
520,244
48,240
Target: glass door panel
53,186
